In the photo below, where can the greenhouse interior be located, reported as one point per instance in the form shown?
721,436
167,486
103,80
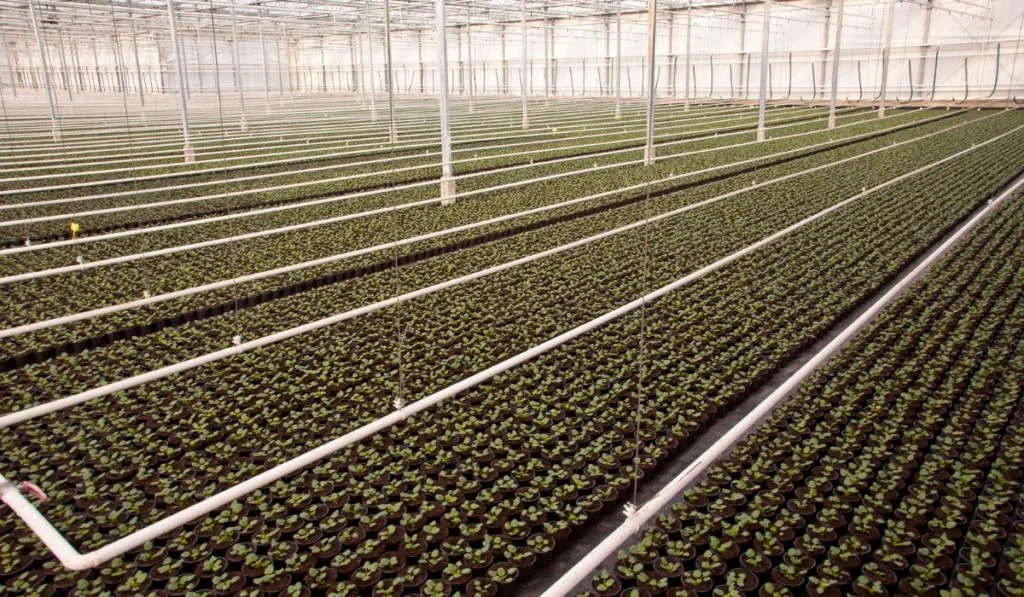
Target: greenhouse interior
512,297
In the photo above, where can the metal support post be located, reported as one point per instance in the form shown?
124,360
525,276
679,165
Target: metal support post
618,60
886,55
135,51
369,52
525,65
447,182
652,22
835,66
263,59
762,95
54,126
392,131
190,155
689,46
243,123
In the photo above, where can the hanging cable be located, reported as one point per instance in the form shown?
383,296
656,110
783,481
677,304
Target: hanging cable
995,84
789,84
967,85
860,83
935,73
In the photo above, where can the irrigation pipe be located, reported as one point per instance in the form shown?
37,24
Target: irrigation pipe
151,300
334,142
413,204
305,183
20,416
354,195
681,122
72,559
633,523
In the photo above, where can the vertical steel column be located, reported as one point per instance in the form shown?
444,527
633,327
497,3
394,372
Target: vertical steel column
369,51
606,84
263,59
190,155
689,46
547,55
447,182
762,97
183,66
522,70
199,62
835,66
243,123
54,128
926,35
392,131
618,60
419,54
469,53
135,50
886,54
671,54
744,71
323,67
652,21
824,51
280,71
504,64
458,59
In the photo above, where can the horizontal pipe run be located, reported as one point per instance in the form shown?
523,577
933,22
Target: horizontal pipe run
53,322
45,408
71,558
634,523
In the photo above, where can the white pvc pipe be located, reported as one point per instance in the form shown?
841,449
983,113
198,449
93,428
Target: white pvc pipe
633,524
39,410
72,559
321,222
196,185
142,302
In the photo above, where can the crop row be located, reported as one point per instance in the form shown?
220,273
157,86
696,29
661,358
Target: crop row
472,492
102,286
147,240
361,143
523,240
897,468
570,131
144,209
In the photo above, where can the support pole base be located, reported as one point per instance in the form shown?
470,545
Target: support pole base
649,155
243,124
447,191
761,134
190,154
55,131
